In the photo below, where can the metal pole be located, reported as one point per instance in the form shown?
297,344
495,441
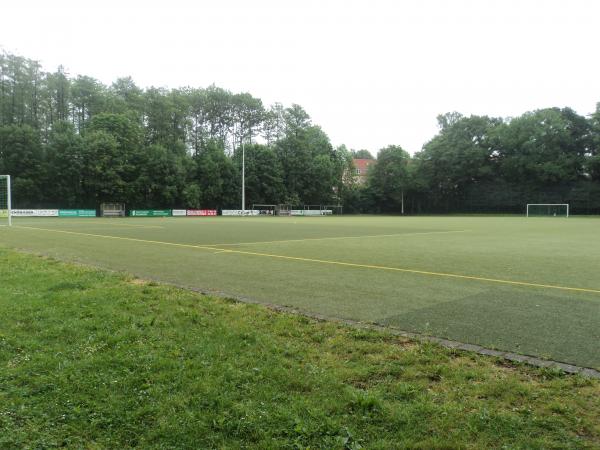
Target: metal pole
402,201
8,205
243,178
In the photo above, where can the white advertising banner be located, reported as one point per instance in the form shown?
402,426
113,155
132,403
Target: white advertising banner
310,212
239,212
34,212
179,212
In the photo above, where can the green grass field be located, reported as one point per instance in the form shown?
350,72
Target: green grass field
525,285
91,359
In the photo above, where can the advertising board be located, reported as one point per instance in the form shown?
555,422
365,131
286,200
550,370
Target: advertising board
150,212
34,212
201,212
77,213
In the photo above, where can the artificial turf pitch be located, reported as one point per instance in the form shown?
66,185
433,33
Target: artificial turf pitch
531,286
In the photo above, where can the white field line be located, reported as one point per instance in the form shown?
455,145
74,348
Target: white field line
94,224
337,238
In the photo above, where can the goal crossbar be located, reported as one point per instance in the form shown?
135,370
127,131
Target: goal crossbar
549,206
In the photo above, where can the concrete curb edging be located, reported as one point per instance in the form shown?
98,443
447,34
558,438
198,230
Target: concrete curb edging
509,356
447,343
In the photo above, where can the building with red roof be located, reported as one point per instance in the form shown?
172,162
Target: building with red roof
361,168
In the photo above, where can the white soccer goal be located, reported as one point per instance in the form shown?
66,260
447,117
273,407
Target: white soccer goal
5,205
548,209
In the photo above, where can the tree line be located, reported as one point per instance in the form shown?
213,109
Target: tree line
485,164
75,142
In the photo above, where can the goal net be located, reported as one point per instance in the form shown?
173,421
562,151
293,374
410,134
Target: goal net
548,209
5,206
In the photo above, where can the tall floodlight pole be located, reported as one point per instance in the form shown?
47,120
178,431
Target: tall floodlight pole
8,204
402,201
243,178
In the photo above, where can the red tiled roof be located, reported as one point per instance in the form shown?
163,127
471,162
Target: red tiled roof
362,164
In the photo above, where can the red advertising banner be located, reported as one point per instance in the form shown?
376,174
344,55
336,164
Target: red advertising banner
201,212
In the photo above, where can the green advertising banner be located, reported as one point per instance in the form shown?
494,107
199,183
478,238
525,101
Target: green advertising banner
76,213
150,212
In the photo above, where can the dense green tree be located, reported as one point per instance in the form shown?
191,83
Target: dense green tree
128,134
592,163
458,156
161,179
20,84
113,158
106,169
343,174
544,146
308,161
166,118
216,178
191,195
218,117
88,98
273,126
362,154
296,119
248,114
264,174
65,167
59,93
389,179
21,155
125,97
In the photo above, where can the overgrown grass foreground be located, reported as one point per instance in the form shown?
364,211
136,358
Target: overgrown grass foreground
90,359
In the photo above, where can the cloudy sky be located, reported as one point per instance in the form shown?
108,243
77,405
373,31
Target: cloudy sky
370,72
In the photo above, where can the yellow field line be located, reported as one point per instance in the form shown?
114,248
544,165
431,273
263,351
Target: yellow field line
324,261
340,237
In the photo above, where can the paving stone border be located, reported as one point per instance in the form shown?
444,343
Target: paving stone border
509,356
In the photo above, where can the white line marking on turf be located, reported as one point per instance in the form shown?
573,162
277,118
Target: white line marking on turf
338,237
97,224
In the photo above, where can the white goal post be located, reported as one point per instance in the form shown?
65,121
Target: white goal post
5,201
548,209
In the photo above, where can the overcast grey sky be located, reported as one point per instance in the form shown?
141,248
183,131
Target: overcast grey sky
370,72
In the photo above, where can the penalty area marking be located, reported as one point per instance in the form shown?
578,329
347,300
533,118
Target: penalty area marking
325,261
